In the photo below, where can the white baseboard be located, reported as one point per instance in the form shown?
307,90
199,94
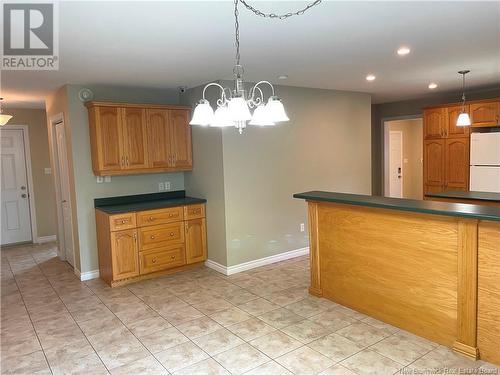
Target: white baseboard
231,270
87,275
45,239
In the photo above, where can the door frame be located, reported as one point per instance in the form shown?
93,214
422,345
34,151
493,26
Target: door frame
385,149
387,172
53,121
29,176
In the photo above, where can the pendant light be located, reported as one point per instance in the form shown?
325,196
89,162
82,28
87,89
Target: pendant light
463,118
4,119
234,105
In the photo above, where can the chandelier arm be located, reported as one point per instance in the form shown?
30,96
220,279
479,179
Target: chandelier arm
279,16
213,84
252,92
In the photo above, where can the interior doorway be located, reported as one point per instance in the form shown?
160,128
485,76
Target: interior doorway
403,158
62,187
17,198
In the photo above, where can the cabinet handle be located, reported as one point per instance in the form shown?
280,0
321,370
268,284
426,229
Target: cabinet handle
151,218
135,237
172,257
153,260
124,221
170,215
121,161
171,234
153,237
126,161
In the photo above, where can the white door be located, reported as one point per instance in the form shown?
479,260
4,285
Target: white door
16,222
63,174
396,164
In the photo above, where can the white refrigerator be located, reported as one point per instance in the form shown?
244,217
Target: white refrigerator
485,162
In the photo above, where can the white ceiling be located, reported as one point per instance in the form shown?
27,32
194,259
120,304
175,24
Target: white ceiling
333,46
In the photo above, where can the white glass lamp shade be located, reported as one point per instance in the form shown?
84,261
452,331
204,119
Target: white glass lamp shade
203,114
463,119
276,111
261,116
222,117
4,119
238,108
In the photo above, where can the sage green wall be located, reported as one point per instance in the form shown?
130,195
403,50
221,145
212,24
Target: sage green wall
86,187
207,179
325,146
36,119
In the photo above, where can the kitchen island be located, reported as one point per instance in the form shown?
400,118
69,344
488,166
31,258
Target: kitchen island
431,268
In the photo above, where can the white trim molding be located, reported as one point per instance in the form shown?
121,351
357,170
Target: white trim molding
87,275
45,239
231,270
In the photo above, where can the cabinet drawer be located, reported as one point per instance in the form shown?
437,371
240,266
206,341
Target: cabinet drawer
194,211
161,259
122,221
163,216
161,235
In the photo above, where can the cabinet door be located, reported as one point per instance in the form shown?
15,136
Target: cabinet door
196,241
457,164
434,123
485,114
434,165
124,254
159,145
108,138
452,130
135,138
180,133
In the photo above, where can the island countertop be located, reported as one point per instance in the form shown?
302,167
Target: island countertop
473,211
469,195
142,202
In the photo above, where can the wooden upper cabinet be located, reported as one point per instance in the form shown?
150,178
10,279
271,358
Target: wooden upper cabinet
485,114
158,130
180,135
135,138
452,130
434,123
106,138
124,254
456,164
434,176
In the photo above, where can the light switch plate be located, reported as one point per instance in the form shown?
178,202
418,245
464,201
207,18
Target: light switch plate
47,170
100,179
107,178
167,185
161,186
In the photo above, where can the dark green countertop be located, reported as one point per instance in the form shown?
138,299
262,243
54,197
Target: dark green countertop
473,195
473,211
142,202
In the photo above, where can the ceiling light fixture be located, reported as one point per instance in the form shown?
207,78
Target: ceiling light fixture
433,85
403,51
463,118
283,76
4,119
234,105
370,77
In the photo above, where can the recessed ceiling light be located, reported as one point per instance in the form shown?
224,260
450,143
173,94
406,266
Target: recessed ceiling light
433,85
283,76
370,77
403,51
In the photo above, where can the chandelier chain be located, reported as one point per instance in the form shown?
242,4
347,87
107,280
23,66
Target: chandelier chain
237,32
280,16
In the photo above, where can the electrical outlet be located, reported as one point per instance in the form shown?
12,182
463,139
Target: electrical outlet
167,185
100,179
47,170
161,186
107,178
302,227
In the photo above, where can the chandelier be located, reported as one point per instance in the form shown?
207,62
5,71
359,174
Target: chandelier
234,105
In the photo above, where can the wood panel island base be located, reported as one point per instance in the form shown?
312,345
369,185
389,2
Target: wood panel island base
431,268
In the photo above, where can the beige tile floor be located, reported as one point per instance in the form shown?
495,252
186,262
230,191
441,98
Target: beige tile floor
260,322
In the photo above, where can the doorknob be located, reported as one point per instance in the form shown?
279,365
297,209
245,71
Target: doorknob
23,187
23,196
64,201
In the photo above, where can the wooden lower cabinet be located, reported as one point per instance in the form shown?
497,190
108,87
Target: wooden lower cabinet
124,254
132,246
196,240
